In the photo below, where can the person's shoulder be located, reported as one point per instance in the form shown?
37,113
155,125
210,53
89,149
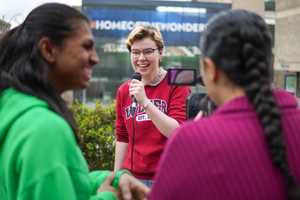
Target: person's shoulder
188,129
125,84
123,87
180,88
40,129
197,128
183,88
45,117
286,99
122,91
200,135
177,89
42,123
190,135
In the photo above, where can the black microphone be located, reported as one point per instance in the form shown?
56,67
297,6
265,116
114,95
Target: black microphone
136,76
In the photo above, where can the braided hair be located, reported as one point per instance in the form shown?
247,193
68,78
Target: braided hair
21,64
249,64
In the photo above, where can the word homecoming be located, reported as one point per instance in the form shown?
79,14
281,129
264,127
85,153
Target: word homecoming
129,25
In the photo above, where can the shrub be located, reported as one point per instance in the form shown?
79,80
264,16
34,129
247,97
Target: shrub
96,129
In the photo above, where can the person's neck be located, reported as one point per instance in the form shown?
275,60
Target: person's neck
227,94
155,78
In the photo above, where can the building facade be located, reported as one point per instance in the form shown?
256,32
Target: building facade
181,24
283,18
287,45
111,29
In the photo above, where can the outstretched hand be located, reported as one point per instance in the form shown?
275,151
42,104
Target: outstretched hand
198,116
106,186
131,188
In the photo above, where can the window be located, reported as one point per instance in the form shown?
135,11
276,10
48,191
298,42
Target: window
290,83
269,5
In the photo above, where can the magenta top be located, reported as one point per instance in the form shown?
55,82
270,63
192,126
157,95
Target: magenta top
225,156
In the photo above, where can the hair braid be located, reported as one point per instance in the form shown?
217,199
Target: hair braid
259,93
248,64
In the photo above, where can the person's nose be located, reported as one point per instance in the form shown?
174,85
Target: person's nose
141,56
94,58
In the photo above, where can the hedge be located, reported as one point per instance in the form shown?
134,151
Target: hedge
96,129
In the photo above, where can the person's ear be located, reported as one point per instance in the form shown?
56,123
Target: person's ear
210,69
161,53
47,49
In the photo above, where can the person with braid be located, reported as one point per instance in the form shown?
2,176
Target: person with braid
248,148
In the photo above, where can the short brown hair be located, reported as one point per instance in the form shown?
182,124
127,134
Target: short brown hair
140,32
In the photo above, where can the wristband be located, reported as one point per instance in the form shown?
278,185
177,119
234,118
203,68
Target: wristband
118,175
146,104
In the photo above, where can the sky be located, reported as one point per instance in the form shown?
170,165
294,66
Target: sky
15,11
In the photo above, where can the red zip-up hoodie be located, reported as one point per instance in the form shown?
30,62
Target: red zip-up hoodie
145,141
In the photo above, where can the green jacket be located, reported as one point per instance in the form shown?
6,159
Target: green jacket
39,157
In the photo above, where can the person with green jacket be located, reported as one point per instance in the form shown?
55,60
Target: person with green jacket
50,52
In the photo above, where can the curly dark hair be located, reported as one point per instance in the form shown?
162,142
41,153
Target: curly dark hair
248,64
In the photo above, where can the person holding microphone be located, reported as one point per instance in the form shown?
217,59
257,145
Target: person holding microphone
142,132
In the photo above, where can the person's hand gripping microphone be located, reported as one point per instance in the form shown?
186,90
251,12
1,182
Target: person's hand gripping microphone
136,76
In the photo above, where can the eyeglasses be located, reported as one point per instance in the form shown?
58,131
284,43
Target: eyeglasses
146,52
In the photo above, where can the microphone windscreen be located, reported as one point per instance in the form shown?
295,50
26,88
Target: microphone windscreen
136,76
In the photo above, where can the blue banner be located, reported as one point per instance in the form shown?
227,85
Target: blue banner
179,25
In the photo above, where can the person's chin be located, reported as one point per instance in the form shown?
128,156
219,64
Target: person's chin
143,72
83,85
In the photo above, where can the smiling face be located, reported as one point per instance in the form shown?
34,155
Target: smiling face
73,60
145,57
